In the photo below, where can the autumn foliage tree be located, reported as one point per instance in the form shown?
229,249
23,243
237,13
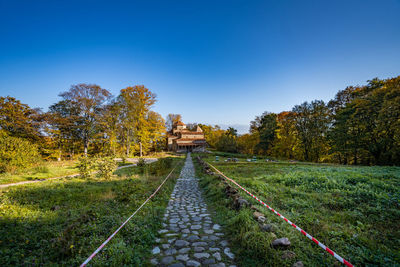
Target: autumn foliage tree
136,103
359,126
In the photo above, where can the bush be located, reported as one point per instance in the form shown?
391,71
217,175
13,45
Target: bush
141,163
106,167
17,153
85,166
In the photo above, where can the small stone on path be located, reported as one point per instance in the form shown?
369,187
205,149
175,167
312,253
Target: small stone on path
155,250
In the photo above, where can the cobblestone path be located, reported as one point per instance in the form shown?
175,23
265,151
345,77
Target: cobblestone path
189,237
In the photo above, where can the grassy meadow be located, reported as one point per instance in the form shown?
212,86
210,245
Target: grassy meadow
45,170
61,222
353,210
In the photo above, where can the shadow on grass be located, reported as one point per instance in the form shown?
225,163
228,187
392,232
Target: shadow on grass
62,222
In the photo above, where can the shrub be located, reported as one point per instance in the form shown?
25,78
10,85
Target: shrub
17,153
85,166
141,163
106,167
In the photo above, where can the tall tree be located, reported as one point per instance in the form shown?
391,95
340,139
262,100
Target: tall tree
247,143
286,143
157,130
64,123
136,102
266,126
312,124
88,99
110,124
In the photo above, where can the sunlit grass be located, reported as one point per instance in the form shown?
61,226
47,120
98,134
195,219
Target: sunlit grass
354,210
61,222
45,170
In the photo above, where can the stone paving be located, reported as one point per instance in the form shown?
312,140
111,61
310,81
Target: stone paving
189,237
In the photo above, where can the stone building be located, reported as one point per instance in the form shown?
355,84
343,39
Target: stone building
181,139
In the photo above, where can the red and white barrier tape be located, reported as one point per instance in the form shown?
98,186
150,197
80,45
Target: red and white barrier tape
122,225
339,258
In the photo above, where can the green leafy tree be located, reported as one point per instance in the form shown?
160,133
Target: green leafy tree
64,127
227,143
312,124
110,127
88,99
265,125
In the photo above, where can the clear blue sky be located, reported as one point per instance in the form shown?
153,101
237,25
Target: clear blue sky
219,62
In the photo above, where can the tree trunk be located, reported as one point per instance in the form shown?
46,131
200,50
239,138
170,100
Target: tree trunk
128,145
355,157
59,152
85,149
85,145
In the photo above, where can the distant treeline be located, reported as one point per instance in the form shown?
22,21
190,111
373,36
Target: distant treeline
361,125
87,119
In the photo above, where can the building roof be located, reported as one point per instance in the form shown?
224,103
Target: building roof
180,123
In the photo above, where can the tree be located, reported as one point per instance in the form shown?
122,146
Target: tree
64,126
227,143
265,125
212,134
312,123
172,120
247,143
88,99
110,124
19,119
286,143
157,131
231,132
136,102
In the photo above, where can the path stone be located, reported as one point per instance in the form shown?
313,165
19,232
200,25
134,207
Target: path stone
156,250
189,237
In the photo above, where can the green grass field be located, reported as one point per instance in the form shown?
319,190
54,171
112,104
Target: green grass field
46,170
353,210
61,222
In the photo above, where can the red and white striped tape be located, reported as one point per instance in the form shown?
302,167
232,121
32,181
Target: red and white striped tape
339,258
122,225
